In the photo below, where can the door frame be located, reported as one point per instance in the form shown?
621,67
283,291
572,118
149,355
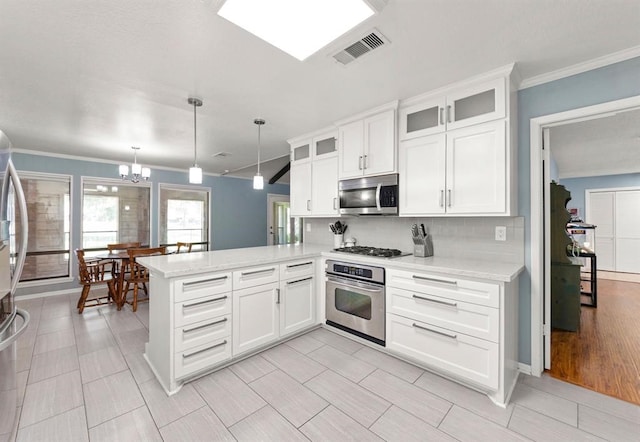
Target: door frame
273,198
540,281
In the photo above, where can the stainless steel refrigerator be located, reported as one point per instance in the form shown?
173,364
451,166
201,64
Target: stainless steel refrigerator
13,321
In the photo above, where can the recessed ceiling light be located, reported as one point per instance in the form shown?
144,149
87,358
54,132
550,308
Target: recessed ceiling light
298,27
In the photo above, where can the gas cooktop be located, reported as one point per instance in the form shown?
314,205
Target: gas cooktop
371,251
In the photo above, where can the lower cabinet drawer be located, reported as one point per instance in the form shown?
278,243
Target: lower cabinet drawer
200,333
460,355
201,309
199,358
471,319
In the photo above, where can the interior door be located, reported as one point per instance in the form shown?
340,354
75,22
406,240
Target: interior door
600,211
627,231
278,219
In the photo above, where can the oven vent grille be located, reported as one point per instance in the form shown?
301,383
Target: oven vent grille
373,40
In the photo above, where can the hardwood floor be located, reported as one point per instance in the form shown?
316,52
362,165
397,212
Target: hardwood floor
604,355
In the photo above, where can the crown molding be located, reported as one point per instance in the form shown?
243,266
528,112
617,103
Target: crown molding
579,68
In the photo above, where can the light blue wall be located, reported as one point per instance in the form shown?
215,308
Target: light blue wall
609,83
238,212
577,187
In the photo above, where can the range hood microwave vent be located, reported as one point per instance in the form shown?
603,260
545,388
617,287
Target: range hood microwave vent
372,40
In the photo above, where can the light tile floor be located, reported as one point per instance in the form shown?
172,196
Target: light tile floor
82,377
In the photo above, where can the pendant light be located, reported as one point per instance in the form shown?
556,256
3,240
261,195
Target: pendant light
195,173
258,181
137,171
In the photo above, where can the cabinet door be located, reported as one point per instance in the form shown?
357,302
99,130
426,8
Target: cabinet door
324,186
325,145
300,189
476,104
297,305
477,169
255,317
301,152
379,143
351,142
422,175
422,119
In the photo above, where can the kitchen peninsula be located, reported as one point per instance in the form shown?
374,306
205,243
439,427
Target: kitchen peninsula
208,309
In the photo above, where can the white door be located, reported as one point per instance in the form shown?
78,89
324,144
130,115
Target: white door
600,211
351,142
278,223
477,169
379,143
300,185
422,175
324,186
627,231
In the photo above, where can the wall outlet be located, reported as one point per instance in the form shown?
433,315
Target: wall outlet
501,233
308,227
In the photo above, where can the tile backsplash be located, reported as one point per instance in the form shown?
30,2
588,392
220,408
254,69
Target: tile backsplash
452,237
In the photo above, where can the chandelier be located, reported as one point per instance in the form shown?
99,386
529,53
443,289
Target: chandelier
137,171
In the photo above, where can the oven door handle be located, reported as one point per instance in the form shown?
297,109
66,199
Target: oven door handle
378,206
353,283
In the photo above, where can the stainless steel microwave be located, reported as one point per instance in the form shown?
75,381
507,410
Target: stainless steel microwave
374,195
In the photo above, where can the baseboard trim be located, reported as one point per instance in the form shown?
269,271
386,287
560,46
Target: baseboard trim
524,368
48,294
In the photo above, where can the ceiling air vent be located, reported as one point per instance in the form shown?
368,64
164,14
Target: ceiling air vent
366,44
221,155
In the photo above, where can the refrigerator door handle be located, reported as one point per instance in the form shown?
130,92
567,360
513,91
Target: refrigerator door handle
26,318
24,226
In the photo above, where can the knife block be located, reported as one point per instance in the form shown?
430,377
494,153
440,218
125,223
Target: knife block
425,249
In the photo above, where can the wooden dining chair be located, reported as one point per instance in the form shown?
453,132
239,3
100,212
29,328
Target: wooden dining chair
138,275
120,247
184,245
94,273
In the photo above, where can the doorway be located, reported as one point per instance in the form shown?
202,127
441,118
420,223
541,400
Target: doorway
281,227
542,166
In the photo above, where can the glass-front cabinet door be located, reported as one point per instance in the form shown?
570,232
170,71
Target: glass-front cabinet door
425,118
477,104
325,144
301,152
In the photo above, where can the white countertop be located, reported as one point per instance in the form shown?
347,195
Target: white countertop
184,264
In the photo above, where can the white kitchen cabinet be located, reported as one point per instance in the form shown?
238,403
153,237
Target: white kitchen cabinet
367,145
255,317
463,328
457,107
314,177
297,301
460,172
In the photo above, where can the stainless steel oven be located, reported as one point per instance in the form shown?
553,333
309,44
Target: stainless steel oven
355,299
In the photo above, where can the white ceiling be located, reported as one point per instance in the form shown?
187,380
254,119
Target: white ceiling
92,78
608,145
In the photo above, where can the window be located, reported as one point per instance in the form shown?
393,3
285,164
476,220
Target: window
48,211
114,212
184,217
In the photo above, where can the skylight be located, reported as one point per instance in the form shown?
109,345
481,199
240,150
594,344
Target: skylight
298,27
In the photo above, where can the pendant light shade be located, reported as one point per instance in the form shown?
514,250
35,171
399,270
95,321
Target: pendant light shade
258,181
137,171
195,173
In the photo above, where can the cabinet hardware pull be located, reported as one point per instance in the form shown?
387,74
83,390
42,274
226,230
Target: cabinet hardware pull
449,192
299,280
278,293
448,335
195,304
220,278
443,281
437,301
364,162
441,115
189,330
449,114
360,162
205,349
255,272
290,266
334,204
309,205
441,197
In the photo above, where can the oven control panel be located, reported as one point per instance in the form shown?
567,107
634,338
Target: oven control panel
359,271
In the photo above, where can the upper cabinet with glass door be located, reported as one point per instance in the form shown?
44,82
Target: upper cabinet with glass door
453,109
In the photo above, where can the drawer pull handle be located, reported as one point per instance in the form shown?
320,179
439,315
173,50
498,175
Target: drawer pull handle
220,278
205,349
184,330
290,266
195,304
278,293
443,281
448,335
299,280
437,301
255,272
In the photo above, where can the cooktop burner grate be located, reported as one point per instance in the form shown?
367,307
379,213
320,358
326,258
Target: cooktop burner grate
371,251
